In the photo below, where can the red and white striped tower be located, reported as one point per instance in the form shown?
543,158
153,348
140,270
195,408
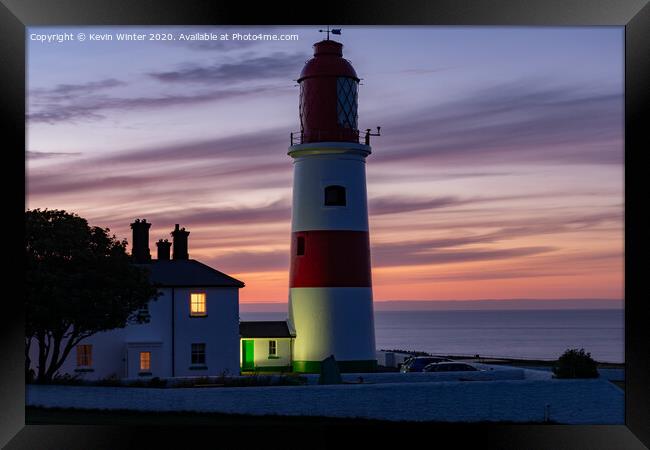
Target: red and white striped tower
330,300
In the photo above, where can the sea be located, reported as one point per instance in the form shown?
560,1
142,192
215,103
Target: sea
525,334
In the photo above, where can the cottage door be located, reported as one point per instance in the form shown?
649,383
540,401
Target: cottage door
248,357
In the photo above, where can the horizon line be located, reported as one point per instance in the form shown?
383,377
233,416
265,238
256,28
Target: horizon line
484,304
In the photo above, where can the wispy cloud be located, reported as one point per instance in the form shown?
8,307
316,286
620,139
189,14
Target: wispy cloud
278,210
425,71
269,143
475,186
248,261
48,155
395,204
69,91
514,123
276,65
94,107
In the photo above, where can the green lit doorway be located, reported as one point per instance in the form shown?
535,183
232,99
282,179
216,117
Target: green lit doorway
248,356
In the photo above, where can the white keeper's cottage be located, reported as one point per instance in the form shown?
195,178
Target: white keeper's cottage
192,329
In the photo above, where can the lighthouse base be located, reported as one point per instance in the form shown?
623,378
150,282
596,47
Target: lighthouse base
333,321
344,366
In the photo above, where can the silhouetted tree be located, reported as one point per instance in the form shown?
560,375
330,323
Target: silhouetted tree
80,281
576,363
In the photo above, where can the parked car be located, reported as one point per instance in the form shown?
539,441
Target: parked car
449,367
417,363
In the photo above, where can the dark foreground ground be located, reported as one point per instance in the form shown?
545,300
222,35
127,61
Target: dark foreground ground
69,416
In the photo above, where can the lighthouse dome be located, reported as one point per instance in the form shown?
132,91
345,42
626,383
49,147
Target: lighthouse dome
328,96
328,61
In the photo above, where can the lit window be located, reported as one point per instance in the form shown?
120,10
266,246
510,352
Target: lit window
273,348
300,246
84,355
145,361
198,353
197,304
335,196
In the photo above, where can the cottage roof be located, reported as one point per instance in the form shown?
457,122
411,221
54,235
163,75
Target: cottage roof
264,329
188,273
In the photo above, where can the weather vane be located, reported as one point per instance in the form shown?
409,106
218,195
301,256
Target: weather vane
328,31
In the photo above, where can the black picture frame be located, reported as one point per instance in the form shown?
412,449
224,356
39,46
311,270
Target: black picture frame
634,15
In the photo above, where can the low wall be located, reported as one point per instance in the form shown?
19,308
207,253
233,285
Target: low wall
490,373
563,401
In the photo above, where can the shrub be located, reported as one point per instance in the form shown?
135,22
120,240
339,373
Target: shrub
156,382
410,352
66,379
292,380
111,380
576,363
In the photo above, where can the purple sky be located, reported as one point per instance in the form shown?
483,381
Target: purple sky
499,172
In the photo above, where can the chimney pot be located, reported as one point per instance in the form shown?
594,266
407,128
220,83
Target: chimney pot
180,243
140,244
163,249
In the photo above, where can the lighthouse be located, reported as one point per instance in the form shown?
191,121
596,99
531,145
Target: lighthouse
330,296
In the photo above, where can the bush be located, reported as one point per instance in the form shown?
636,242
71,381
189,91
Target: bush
410,352
247,381
576,363
292,380
111,380
66,379
156,382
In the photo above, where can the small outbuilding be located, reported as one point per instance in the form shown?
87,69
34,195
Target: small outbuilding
266,346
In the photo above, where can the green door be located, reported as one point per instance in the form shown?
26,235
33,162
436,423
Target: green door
247,357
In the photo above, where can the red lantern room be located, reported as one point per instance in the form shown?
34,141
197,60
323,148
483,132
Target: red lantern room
328,96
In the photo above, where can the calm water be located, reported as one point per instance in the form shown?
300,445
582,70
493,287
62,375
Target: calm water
520,334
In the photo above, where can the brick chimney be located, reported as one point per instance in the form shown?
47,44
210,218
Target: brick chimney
180,243
163,249
140,244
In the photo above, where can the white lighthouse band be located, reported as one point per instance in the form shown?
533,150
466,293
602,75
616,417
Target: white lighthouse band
318,166
333,321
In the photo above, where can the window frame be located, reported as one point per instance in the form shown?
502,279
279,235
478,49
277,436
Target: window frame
194,353
83,356
300,245
341,194
203,313
147,360
347,95
273,344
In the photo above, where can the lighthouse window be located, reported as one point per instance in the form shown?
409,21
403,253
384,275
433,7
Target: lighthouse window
300,246
334,196
346,105
302,109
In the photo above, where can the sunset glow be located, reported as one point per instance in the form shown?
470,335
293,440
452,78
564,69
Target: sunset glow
498,175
